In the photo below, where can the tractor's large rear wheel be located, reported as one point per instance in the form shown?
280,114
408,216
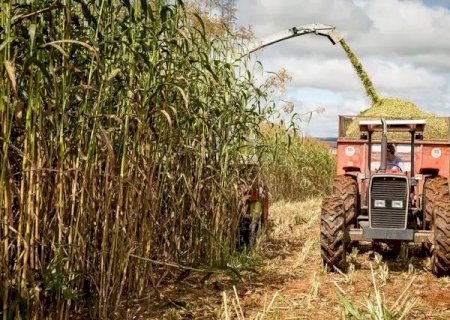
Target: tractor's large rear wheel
346,188
440,251
333,240
339,211
435,189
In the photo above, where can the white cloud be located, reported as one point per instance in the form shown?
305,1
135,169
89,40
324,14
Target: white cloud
403,45
310,71
268,15
405,28
393,78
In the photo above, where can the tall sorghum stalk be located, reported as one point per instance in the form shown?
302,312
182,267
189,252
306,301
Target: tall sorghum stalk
122,127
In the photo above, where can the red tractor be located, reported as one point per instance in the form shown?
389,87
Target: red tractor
372,203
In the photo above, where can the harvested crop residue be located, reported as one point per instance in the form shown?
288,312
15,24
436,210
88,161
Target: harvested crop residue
286,280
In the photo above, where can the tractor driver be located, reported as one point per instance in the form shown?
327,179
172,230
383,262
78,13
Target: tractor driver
392,161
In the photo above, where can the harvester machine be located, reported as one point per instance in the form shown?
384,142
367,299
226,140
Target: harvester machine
255,204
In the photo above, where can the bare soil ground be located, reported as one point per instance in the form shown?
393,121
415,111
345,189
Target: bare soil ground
286,280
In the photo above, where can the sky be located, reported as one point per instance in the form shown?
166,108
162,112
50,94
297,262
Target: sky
404,46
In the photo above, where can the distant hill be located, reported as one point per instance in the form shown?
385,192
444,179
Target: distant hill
332,141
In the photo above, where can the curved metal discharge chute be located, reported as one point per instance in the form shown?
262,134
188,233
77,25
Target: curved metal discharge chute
314,28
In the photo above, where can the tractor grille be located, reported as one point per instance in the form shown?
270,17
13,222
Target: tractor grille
389,189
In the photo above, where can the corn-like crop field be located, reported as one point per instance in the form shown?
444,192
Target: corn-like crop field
295,168
122,126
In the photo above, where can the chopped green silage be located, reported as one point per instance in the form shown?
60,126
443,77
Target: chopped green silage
436,128
367,83
393,108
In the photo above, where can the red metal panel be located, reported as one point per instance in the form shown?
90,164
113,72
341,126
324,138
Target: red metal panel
436,156
427,155
349,154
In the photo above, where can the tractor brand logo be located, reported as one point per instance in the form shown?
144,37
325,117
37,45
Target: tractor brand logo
436,153
349,151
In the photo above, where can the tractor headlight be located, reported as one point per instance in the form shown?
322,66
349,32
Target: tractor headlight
379,203
398,204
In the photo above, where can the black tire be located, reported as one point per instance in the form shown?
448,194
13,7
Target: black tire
333,240
440,251
249,232
346,188
244,232
435,188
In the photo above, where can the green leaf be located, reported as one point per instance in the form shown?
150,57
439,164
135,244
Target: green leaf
350,307
32,33
5,43
60,49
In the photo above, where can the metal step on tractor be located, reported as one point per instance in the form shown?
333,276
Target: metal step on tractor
370,202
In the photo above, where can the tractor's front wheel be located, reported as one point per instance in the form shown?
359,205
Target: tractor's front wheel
440,251
333,239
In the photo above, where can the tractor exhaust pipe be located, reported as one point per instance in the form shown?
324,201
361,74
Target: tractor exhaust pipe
383,146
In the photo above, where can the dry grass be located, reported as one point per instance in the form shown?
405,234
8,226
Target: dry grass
376,286
297,217
288,281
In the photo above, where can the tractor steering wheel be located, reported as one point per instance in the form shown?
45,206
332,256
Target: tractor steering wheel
399,168
396,165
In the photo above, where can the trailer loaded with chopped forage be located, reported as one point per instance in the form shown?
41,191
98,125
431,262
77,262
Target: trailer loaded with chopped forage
372,203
